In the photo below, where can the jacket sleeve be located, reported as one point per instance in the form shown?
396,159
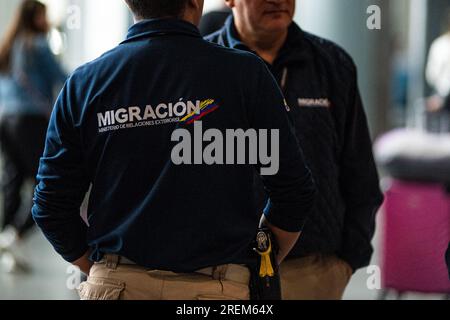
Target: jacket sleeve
291,188
62,184
359,183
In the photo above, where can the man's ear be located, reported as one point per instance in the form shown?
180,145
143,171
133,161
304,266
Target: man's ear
194,4
230,3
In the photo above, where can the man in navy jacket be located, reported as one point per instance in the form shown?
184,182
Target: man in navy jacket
157,210
319,82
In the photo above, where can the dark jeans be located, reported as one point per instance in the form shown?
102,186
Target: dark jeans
22,139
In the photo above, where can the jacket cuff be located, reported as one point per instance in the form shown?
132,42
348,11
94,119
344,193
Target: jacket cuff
75,255
68,236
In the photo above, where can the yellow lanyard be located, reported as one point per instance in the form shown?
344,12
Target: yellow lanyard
266,268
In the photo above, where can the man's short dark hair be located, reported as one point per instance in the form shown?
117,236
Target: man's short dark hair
147,9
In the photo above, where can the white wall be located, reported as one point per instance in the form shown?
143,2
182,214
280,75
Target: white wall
6,13
103,25
212,5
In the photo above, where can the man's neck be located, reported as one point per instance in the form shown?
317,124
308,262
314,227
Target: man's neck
188,18
267,46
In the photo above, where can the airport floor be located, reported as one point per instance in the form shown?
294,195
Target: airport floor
46,279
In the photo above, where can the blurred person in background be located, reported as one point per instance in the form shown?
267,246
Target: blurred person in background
29,75
438,71
319,81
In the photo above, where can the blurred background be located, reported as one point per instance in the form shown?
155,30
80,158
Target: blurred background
400,100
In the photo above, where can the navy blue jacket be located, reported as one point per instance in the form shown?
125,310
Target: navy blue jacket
112,126
319,81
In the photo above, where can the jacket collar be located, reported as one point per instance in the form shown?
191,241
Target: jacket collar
232,36
294,49
161,27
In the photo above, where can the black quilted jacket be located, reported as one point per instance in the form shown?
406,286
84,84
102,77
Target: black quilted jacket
319,81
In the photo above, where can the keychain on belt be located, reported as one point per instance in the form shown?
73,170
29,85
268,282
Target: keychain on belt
265,277
264,249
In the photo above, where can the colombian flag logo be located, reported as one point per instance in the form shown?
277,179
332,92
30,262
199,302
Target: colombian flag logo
206,107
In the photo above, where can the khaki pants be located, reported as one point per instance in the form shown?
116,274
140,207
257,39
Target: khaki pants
314,278
110,280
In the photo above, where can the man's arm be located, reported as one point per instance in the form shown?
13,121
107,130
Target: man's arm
285,240
62,183
84,263
291,189
359,184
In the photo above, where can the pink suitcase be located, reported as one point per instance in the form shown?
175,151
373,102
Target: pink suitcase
415,238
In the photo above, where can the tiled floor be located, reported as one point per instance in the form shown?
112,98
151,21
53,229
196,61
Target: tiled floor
47,279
